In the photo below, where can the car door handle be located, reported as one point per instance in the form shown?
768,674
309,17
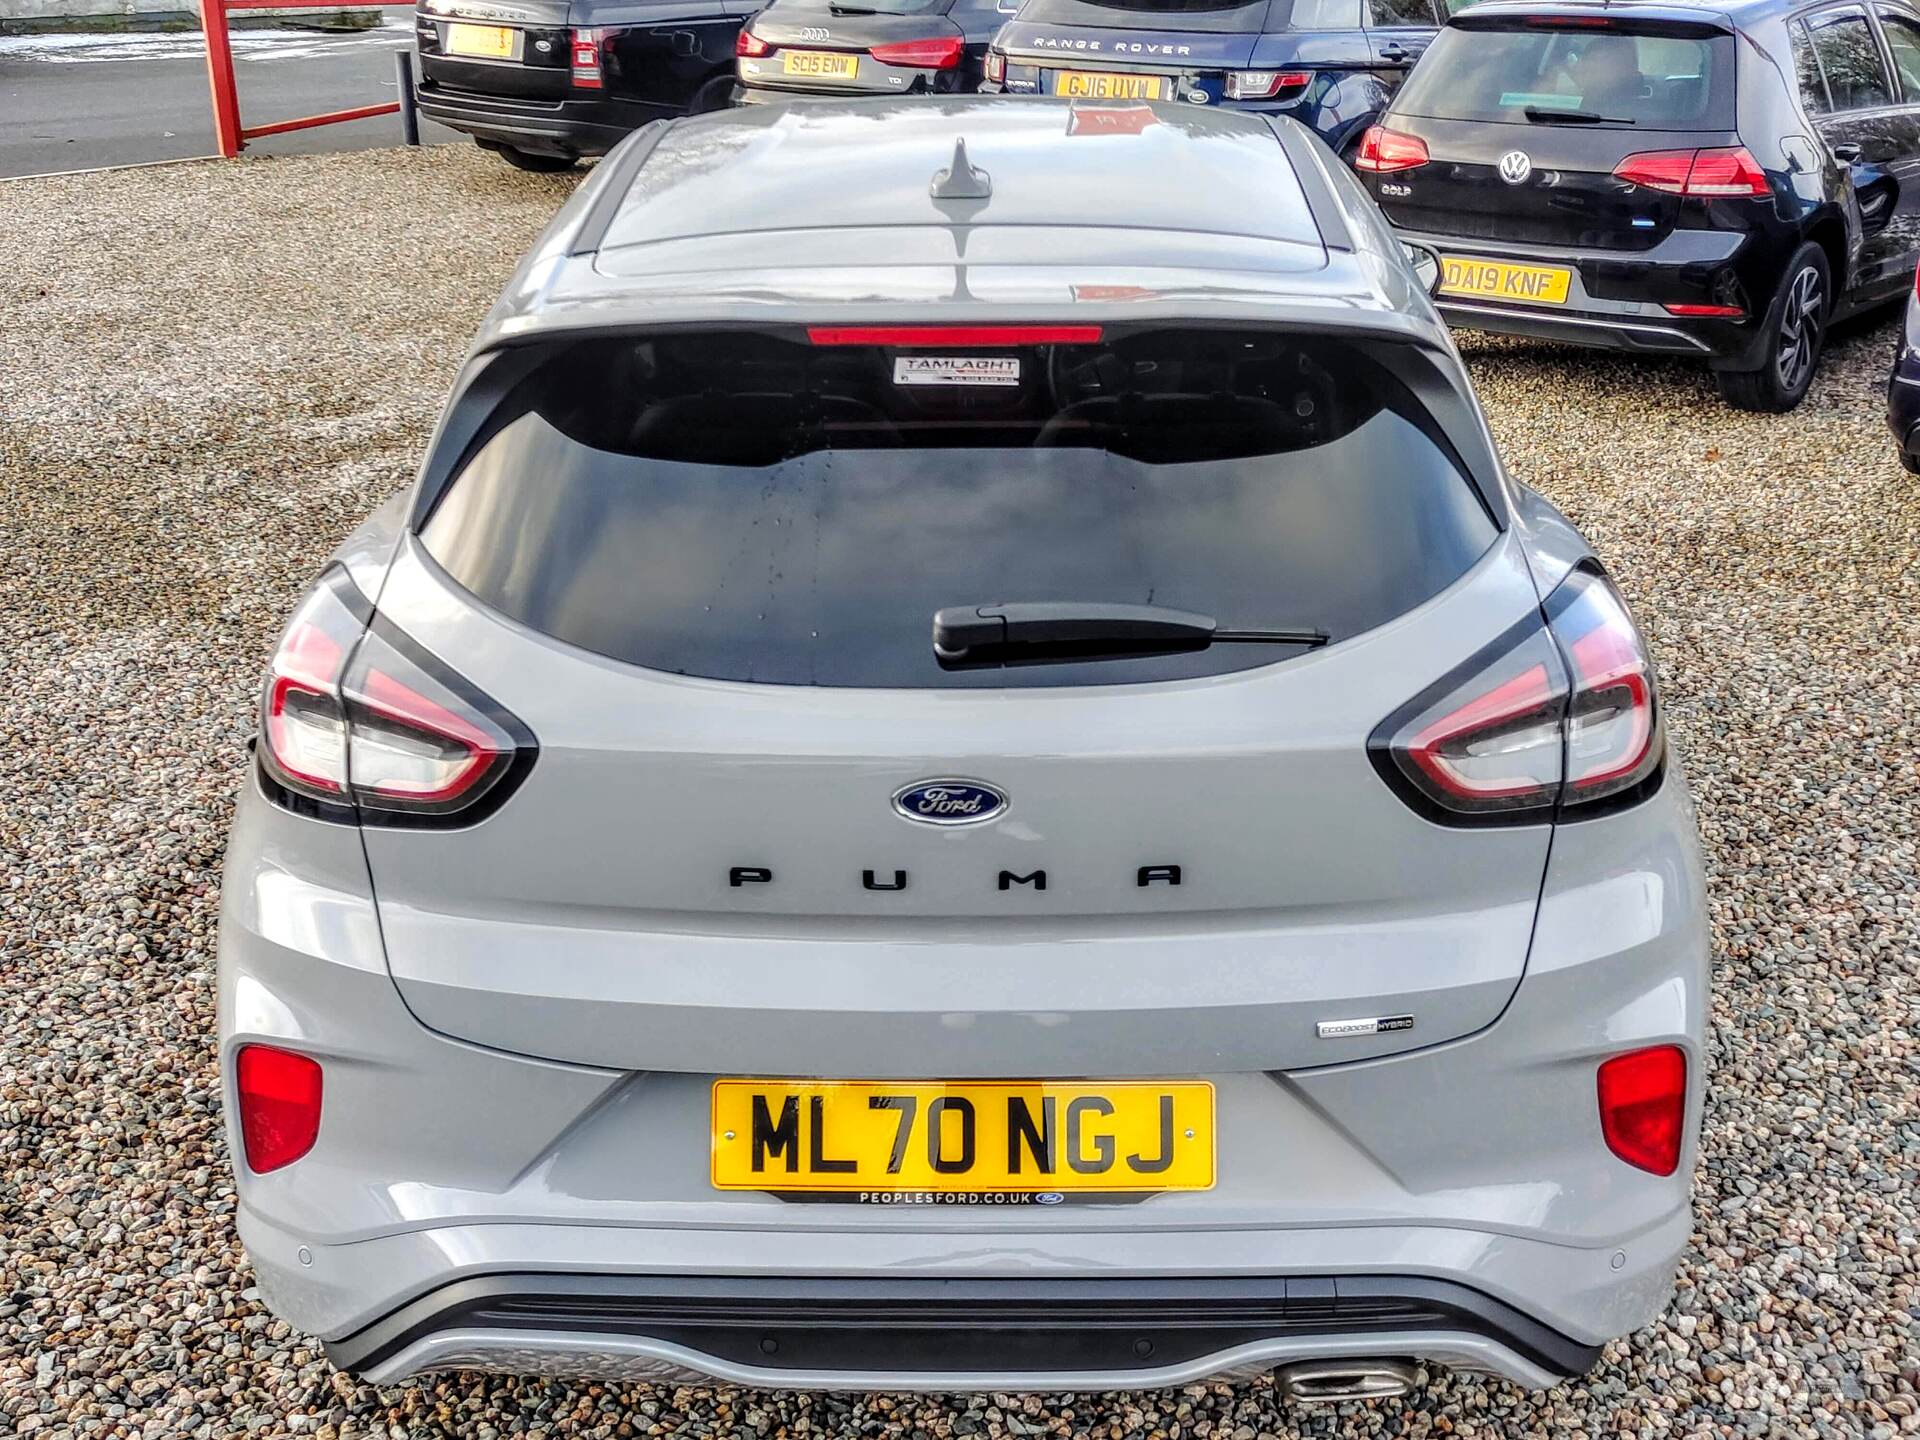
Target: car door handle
1392,51
1846,154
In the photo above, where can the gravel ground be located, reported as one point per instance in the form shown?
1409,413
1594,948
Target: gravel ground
208,374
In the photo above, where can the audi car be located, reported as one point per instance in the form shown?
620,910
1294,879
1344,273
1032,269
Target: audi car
1720,181
1330,64
968,778
542,83
799,48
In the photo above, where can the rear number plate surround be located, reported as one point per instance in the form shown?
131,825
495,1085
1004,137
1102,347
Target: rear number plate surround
819,64
862,1138
1504,280
484,42
1106,85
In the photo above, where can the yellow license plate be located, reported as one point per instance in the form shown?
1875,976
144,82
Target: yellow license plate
962,1136
819,64
489,42
1091,85
1495,279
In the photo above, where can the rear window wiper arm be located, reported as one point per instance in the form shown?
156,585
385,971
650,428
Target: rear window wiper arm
1056,630
1540,115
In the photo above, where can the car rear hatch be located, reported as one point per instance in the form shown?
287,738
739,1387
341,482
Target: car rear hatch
515,51
877,47
701,570
1159,36
1527,117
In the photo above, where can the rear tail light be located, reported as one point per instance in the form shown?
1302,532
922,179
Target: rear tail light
1267,84
935,52
1383,151
750,45
279,1095
356,715
585,51
996,68
1552,718
1643,1106
1707,174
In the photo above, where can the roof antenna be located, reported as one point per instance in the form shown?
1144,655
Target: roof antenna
961,180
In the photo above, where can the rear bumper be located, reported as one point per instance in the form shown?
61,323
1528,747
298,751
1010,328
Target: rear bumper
549,127
846,1333
1617,300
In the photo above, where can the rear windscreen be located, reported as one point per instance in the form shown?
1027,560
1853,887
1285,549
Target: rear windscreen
1229,17
1575,75
740,507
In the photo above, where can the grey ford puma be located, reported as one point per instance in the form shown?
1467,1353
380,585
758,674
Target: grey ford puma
960,774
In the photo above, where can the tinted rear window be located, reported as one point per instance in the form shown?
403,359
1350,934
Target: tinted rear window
745,508
1232,17
1651,81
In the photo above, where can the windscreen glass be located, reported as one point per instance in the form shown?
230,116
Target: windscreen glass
1575,75
740,507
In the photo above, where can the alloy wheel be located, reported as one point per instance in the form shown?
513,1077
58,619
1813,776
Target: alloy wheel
1800,329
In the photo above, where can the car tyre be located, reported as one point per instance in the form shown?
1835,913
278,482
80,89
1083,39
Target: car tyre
531,160
1796,328
716,94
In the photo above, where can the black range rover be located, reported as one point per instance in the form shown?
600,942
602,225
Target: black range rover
543,82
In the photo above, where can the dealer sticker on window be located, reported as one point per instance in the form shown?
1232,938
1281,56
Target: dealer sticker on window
956,370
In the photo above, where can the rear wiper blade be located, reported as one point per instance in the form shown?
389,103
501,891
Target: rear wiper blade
1540,115
1043,631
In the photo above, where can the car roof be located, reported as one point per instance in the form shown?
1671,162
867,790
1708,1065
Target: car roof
787,212
1723,12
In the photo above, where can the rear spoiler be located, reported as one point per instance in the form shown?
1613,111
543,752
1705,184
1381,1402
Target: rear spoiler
1625,18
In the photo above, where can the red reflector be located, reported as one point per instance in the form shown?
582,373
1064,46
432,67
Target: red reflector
279,1095
1643,1106
1707,312
750,45
1383,151
1570,22
954,334
936,52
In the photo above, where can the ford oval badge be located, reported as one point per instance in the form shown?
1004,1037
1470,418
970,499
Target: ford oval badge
949,802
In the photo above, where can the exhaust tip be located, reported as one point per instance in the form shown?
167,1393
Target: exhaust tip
1325,1382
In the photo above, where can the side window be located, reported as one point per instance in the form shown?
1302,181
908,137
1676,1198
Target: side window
1326,14
1813,85
1849,57
1903,39
1400,12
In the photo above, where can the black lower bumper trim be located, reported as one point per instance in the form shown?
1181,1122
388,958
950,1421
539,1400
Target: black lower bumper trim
1605,332
978,1326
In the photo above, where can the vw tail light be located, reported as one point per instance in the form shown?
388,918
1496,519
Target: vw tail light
1383,151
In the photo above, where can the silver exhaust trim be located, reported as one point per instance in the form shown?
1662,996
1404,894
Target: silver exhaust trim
1327,1381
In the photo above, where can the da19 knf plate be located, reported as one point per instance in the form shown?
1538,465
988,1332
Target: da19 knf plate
1499,280
963,1136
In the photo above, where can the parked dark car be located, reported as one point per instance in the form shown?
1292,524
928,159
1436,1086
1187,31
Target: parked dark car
1903,386
544,82
866,47
1330,64
1721,181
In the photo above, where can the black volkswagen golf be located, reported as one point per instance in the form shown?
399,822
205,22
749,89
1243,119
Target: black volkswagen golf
1713,180
543,82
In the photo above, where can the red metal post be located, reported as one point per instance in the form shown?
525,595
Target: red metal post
332,117
226,96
